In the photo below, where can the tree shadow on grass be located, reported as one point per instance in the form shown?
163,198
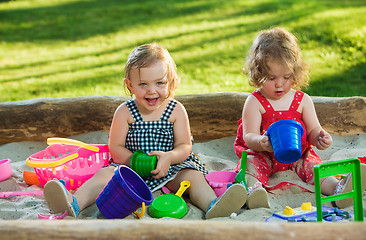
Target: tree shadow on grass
65,88
85,19
339,85
235,30
81,20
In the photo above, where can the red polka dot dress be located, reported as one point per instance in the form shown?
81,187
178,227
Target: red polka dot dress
262,165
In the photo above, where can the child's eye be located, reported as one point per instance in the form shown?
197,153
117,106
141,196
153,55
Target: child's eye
160,83
142,84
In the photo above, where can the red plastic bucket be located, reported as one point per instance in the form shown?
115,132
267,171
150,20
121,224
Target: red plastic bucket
123,194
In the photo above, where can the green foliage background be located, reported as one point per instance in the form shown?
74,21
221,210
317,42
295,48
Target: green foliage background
63,48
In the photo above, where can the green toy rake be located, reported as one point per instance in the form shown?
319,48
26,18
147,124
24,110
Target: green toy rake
334,168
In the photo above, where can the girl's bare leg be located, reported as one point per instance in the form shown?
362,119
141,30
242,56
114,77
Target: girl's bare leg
251,180
200,193
60,200
89,191
328,185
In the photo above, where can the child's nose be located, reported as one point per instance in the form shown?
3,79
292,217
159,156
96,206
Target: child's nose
280,82
151,89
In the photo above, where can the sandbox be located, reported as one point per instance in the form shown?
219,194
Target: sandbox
25,126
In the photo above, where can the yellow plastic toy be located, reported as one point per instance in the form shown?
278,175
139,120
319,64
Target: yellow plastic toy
288,211
306,206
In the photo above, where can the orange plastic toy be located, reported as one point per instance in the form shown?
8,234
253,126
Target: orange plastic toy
30,178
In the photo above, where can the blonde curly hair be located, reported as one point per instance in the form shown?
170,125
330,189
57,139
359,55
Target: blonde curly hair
277,45
145,56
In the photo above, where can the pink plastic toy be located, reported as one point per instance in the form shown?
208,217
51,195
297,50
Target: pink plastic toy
18,193
5,169
70,160
219,180
166,190
52,217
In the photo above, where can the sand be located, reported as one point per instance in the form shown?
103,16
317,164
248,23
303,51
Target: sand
216,154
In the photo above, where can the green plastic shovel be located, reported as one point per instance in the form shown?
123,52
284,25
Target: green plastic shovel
240,177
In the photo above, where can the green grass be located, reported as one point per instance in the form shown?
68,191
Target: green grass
63,48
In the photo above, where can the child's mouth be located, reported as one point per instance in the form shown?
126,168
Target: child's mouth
151,101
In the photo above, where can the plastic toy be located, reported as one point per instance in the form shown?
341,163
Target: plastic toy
340,167
52,217
30,178
170,205
288,211
362,159
240,177
165,190
5,169
142,163
308,213
219,180
335,215
124,194
306,206
70,160
18,193
285,136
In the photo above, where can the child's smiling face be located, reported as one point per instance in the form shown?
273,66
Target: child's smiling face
279,81
149,85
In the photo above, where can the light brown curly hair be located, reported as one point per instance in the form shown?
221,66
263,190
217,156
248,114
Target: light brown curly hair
145,56
277,45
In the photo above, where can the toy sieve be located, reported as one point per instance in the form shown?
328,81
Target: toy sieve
70,160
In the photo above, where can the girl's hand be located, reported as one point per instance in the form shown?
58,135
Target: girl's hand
265,143
163,165
324,140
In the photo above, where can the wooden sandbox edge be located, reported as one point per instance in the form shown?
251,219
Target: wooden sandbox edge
177,229
212,115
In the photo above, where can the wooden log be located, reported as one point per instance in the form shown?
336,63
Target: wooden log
38,119
212,115
342,116
174,229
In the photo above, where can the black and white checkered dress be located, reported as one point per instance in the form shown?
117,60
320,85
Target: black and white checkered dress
157,136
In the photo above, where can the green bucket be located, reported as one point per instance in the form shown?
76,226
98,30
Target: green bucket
143,164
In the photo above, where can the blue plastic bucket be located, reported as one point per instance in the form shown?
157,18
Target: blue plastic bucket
123,194
285,136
